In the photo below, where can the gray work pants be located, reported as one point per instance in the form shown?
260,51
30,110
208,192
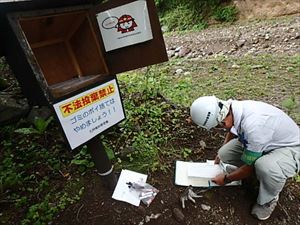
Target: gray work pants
272,169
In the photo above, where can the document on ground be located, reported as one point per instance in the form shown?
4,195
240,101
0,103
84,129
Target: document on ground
186,174
122,192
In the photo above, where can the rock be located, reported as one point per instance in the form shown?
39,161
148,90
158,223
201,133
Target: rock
178,49
257,66
171,53
42,112
178,214
235,66
164,28
255,40
183,52
202,144
179,71
152,216
12,109
265,46
3,84
240,43
205,207
267,37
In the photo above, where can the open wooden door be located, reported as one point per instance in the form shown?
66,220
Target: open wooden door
137,55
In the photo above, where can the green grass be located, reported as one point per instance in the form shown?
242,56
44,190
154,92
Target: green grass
225,14
180,15
267,78
32,174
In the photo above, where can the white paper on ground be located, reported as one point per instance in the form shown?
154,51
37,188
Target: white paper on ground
122,191
182,178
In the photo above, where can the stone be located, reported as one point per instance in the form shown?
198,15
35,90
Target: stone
183,52
240,43
235,66
205,207
12,109
179,71
178,214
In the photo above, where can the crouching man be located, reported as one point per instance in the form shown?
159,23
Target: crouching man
261,138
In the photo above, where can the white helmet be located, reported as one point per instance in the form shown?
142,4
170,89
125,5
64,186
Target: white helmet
208,111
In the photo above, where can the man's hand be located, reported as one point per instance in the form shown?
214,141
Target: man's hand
241,173
219,179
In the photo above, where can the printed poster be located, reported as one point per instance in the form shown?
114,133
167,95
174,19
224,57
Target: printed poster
125,25
87,114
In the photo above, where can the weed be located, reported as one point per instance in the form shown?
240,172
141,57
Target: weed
40,126
186,152
183,18
289,104
225,14
297,178
83,160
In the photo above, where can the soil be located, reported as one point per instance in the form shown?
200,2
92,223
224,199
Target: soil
220,205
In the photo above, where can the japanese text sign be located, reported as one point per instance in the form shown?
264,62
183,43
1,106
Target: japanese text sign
125,25
89,113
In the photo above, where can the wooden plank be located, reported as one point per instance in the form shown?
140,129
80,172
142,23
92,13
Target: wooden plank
97,42
76,25
44,14
75,84
51,27
87,52
73,58
55,63
45,43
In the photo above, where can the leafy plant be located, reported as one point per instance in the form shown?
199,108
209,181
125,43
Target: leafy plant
297,178
83,160
40,126
290,104
225,14
186,152
182,17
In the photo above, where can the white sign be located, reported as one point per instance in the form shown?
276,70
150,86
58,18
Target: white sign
125,25
89,113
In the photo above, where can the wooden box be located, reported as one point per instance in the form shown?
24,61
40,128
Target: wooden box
56,53
63,47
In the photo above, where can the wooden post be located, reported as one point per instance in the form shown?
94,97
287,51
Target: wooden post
102,162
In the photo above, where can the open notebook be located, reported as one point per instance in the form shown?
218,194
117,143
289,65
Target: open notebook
199,174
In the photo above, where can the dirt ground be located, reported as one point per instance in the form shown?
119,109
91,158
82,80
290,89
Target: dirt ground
219,205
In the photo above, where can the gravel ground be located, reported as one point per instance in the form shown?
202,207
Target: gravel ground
280,36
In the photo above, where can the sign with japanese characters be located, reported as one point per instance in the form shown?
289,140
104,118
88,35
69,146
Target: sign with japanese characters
125,25
89,113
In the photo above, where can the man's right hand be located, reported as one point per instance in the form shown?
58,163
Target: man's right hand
217,159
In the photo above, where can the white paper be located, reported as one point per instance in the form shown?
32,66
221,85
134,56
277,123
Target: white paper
182,178
204,170
122,191
125,25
